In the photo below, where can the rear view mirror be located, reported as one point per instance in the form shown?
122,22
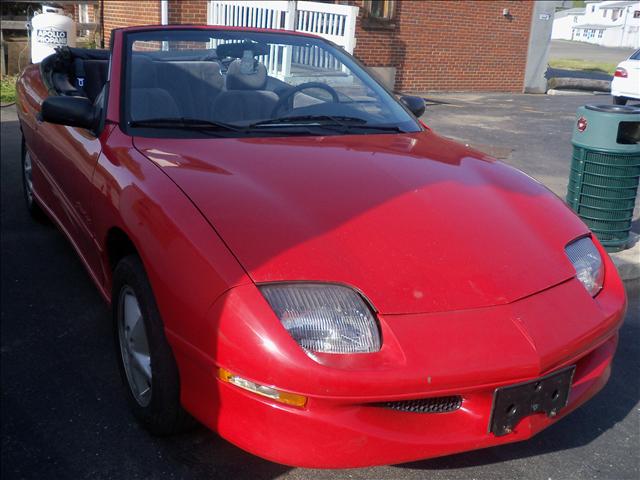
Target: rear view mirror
415,105
69,111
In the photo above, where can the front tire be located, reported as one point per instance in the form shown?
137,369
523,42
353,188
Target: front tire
620,100
147,366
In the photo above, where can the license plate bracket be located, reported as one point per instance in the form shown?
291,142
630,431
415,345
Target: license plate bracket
511,404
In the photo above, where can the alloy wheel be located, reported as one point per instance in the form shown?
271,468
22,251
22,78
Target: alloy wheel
134,346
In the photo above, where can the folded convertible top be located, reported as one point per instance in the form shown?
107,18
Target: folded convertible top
83,53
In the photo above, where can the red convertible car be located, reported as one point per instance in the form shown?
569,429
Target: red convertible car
297,262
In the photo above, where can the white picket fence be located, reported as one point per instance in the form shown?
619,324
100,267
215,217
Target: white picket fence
336,23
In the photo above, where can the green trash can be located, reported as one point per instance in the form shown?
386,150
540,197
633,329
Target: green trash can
605,170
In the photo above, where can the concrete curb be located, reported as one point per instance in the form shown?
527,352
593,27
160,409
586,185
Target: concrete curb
628,261
571,83
553,91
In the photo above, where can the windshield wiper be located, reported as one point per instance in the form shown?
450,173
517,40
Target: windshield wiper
341,123
309,120
185,123
344,123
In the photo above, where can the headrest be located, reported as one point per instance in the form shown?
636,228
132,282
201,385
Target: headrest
143,72
208,72
236,50
211,73
238,78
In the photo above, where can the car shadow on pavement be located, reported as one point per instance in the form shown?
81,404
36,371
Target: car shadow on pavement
609,407
202,454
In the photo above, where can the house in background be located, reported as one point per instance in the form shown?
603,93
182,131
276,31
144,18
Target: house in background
564,21
610,24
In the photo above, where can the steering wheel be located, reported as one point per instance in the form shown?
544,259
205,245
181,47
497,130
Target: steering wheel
298,88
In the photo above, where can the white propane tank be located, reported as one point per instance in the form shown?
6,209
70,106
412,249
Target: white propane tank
49,30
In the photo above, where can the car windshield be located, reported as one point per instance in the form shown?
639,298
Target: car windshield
229,82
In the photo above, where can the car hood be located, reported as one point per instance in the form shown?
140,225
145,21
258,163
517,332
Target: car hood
415,222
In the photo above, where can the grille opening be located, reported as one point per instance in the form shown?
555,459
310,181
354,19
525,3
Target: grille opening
628,133
425,405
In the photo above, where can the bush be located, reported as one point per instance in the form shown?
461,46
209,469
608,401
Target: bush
8,89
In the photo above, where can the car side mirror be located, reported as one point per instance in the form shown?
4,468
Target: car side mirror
415,105
69,111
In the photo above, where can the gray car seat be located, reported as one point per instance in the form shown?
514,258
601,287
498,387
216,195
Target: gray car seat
147,99
245,98
193,84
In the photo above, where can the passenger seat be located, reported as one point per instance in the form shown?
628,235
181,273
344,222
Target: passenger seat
245,98
147,99
193,84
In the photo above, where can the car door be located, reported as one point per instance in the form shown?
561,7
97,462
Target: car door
68,156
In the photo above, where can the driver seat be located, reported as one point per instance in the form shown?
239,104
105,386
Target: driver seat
245,98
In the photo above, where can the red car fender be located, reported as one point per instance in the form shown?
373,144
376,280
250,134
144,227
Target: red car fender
188,265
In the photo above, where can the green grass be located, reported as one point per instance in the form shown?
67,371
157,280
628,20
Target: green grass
8,89
585,65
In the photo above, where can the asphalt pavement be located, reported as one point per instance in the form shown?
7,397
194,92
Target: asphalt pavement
63,415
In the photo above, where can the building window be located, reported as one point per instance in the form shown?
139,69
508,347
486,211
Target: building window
593,8
614,14
379,14
83,13
604,12
600,32
636,14
380,9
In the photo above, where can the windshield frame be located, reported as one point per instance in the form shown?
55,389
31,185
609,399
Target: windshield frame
357,68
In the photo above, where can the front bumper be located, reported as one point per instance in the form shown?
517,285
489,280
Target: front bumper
466,353
336,433
624,88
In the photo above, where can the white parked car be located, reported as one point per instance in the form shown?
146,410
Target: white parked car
626,80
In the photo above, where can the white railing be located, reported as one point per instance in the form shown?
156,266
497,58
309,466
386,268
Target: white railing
257,14
336,23
333,22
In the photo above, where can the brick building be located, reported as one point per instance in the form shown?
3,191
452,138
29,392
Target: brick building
449,45
419,45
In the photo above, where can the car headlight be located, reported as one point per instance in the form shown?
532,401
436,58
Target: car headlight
324,317
587,261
